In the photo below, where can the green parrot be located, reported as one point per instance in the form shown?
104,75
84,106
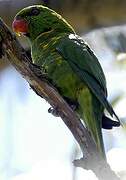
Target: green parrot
71,66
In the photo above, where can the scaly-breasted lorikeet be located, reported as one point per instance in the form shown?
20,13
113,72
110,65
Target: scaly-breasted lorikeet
70,64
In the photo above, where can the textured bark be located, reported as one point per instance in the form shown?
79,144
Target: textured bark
17,56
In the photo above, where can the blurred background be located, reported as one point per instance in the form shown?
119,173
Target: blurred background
33,144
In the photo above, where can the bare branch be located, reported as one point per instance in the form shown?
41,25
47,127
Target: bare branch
17,56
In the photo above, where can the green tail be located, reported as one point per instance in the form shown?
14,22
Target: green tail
91,112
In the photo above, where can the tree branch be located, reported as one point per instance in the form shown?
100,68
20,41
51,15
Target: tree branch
11,48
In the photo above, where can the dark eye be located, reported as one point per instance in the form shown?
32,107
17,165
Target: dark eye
34,12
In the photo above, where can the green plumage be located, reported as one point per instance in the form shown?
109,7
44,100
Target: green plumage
71,65
52,57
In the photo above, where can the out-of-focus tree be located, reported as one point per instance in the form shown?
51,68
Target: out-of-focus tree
88,14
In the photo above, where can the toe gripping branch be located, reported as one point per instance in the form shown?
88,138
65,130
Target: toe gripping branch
56,112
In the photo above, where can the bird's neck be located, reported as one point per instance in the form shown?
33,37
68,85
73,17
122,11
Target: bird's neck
48,39
45,36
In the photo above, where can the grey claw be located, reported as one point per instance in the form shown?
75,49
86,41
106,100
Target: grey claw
54,111
36,69
73,107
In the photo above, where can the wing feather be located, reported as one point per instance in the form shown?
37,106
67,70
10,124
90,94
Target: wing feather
86,65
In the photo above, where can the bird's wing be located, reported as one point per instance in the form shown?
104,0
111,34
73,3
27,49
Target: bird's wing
86,65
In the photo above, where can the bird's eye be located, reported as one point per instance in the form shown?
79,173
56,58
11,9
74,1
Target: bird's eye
34,12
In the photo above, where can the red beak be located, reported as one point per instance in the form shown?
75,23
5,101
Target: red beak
20,26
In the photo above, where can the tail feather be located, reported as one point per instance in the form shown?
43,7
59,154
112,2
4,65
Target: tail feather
108,123
92,112
111,111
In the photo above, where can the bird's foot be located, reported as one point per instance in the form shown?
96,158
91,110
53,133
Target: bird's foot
73,104
37,70
55,112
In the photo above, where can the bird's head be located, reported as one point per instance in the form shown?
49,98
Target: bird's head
35,20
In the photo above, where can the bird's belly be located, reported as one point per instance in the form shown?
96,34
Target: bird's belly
65,79
59,71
